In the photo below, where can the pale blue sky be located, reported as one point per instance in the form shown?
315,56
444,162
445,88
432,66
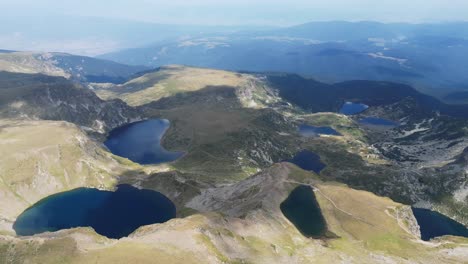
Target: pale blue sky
236,12
55,25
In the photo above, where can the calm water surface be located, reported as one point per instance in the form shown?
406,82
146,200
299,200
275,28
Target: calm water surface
434,224
141,142
308,160
112,214
303,210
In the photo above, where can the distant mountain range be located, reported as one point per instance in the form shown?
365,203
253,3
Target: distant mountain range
431,57
77,68
92,35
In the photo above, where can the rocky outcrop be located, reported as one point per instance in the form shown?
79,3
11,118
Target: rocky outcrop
406,219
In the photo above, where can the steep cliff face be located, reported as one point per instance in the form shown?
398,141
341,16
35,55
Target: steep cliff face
38,96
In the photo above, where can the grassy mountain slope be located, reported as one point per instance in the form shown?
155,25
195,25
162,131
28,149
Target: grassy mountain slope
255,122
171,80
223,139
40,158
210,112
231,126
370,229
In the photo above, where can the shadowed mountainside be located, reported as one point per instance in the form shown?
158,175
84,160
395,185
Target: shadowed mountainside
39,96
320,97
78,68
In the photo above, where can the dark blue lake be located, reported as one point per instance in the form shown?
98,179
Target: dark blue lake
307,160
350,108
111,214
375,121
312,131
302,209
141,142
434,224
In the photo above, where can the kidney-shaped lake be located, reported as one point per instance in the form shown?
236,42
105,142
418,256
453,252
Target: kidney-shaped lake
112,214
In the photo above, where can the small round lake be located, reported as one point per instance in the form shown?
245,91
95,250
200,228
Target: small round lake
313,131
302,209
308,160
350,108
141,142
433,224
111,214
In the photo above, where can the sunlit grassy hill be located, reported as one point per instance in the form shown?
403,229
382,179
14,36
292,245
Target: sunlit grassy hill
236,130
250,228
41,158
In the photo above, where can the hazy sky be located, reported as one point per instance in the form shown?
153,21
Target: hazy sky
47,25
236,12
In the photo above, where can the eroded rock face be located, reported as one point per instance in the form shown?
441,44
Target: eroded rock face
429,149
406,218
264,190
